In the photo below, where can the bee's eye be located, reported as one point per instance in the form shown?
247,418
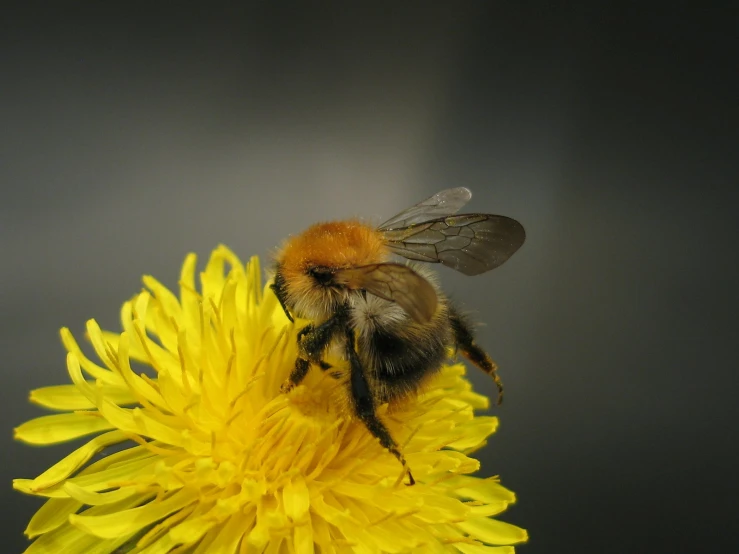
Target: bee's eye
322,275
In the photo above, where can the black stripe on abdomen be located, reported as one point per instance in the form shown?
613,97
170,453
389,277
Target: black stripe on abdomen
400,363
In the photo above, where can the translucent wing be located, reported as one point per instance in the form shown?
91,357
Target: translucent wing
446,202
395,282
469,243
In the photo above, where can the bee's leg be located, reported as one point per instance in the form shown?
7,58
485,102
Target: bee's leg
302,365
325,366
465,342
278,287
296,376
312,341
364,405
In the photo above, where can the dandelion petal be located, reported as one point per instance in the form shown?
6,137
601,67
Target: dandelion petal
129,521
493,531
69,397
68,465
296,499
61,427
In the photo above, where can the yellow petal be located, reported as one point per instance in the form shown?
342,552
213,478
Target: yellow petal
92,498
52,514
172,390
303,538
440,508
227,537
69,397
61,427
191,530
278,545
129,521
484,490
487,510
88,390
213,278
296,499
71,463
492,531
474,432
114,546
134,350
97,372
78,543
444,461
138,385
433,546
164,545
164,297
329,511
66,539
138,421
268,518
138,306
477,401
254,278
467,548
159,358
113,469
141,471
321,531
191,301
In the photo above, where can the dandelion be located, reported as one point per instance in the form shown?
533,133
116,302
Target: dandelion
211,457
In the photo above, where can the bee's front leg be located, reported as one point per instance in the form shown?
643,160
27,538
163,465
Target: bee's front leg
364,404
278,287
312,342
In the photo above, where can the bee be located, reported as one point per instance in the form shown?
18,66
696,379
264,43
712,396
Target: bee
390,321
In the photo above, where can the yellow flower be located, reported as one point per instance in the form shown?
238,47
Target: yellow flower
217,460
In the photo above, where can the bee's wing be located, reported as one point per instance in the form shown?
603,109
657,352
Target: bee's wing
469,243
446,202
395,282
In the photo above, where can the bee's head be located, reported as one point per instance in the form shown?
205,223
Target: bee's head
308,262
322,276
311,293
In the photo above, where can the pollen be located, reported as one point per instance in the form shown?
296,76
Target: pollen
209,456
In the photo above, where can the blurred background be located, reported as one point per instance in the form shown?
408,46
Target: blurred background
133,135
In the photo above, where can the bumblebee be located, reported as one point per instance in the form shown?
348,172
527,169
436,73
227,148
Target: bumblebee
390,321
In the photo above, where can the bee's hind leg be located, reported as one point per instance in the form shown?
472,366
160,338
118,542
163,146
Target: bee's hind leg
364,405
465,341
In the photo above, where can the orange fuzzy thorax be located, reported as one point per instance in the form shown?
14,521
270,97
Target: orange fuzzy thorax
336,244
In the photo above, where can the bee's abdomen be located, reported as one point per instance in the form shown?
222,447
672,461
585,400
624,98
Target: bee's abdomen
399,363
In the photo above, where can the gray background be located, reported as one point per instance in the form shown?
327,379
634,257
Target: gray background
131,136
